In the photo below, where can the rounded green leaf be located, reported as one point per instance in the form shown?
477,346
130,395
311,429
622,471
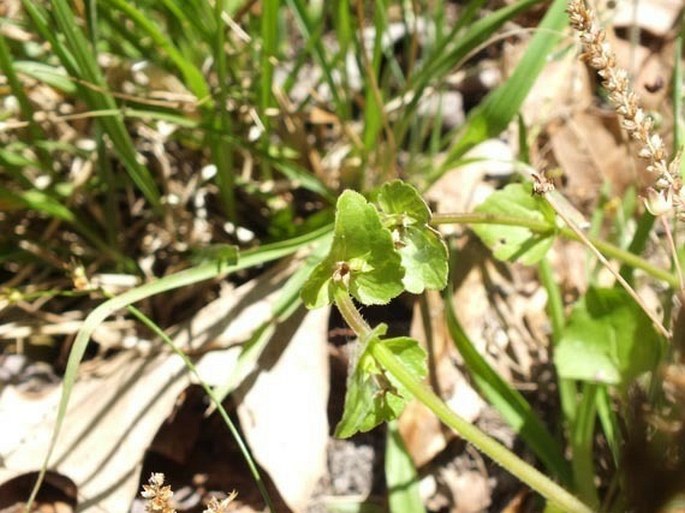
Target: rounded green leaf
423,252
398,197
516,243
608,339
362,258
374,396
424,257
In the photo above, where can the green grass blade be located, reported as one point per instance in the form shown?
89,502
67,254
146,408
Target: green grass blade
216,402
195,15
191,276
677,92
269,33
373,102
495,112
77,57
221,152
582,438
509,402
609,423
41,202
192,76
287,303
451,51
8,69
400,475
54,77
555,306
309,32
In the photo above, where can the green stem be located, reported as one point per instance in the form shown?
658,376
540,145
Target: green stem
350,313
555,305
216,401
536,226
500,454
487,445
582,438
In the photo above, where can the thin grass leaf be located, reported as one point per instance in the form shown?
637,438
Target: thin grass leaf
677,92
610,425
495,112
39,201
221,152
451,51
191,276
8,69
216,402
112,218
76,56
269,50
287,303
509,402
192,76
308,29
54,77
373,102
400,475
555,307
196,15
582,438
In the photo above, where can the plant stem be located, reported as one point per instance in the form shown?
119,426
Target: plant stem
350,313
487,445
500,454
555,305
536,226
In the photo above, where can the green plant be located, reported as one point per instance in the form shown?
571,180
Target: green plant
380,248
376,254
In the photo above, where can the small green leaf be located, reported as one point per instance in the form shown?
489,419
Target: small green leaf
608,339
398,197
362,258
423,252
516,243
374,396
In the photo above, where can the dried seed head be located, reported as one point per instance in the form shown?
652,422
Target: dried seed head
598,54
158,496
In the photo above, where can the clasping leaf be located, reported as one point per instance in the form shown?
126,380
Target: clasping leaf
423,252
362,259
374,395
517,243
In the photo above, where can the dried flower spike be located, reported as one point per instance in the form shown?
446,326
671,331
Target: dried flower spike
666,193
158,496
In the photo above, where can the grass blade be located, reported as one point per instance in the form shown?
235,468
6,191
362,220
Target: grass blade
77,57
453,49
582,438
495,112
223,156
192,76
191,276
508,401
400,475
555,306
311,32
216,402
